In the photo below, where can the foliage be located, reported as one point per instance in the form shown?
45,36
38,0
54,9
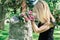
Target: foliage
55,9
16,4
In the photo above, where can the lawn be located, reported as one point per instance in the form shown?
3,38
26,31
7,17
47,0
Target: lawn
4,34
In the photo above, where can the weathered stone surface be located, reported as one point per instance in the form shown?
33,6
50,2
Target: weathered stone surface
20,31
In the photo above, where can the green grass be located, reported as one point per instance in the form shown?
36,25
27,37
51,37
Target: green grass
35,36
4,34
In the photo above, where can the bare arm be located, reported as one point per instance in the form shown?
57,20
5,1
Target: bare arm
43,28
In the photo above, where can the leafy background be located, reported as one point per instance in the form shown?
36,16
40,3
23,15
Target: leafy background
55,9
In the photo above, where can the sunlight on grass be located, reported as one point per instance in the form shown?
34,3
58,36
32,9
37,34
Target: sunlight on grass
35,36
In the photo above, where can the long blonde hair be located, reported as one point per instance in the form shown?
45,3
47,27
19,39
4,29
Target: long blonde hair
42,11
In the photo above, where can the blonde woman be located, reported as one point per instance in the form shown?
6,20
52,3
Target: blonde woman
44,15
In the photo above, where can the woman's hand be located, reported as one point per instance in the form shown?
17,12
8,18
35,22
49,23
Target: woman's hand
30,16
25,17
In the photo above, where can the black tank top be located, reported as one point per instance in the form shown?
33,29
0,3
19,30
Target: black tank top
47,35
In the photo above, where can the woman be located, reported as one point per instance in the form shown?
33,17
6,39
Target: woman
44,15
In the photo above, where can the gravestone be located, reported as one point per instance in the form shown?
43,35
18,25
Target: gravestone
20,31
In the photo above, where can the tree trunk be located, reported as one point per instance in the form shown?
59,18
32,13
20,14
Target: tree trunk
2,16
20,31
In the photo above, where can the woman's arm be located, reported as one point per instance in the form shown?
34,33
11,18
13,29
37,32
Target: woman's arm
43,28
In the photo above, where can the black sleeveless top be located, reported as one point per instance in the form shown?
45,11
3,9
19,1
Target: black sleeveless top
47,35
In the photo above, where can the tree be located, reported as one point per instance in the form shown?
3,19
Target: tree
18,29
2,14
